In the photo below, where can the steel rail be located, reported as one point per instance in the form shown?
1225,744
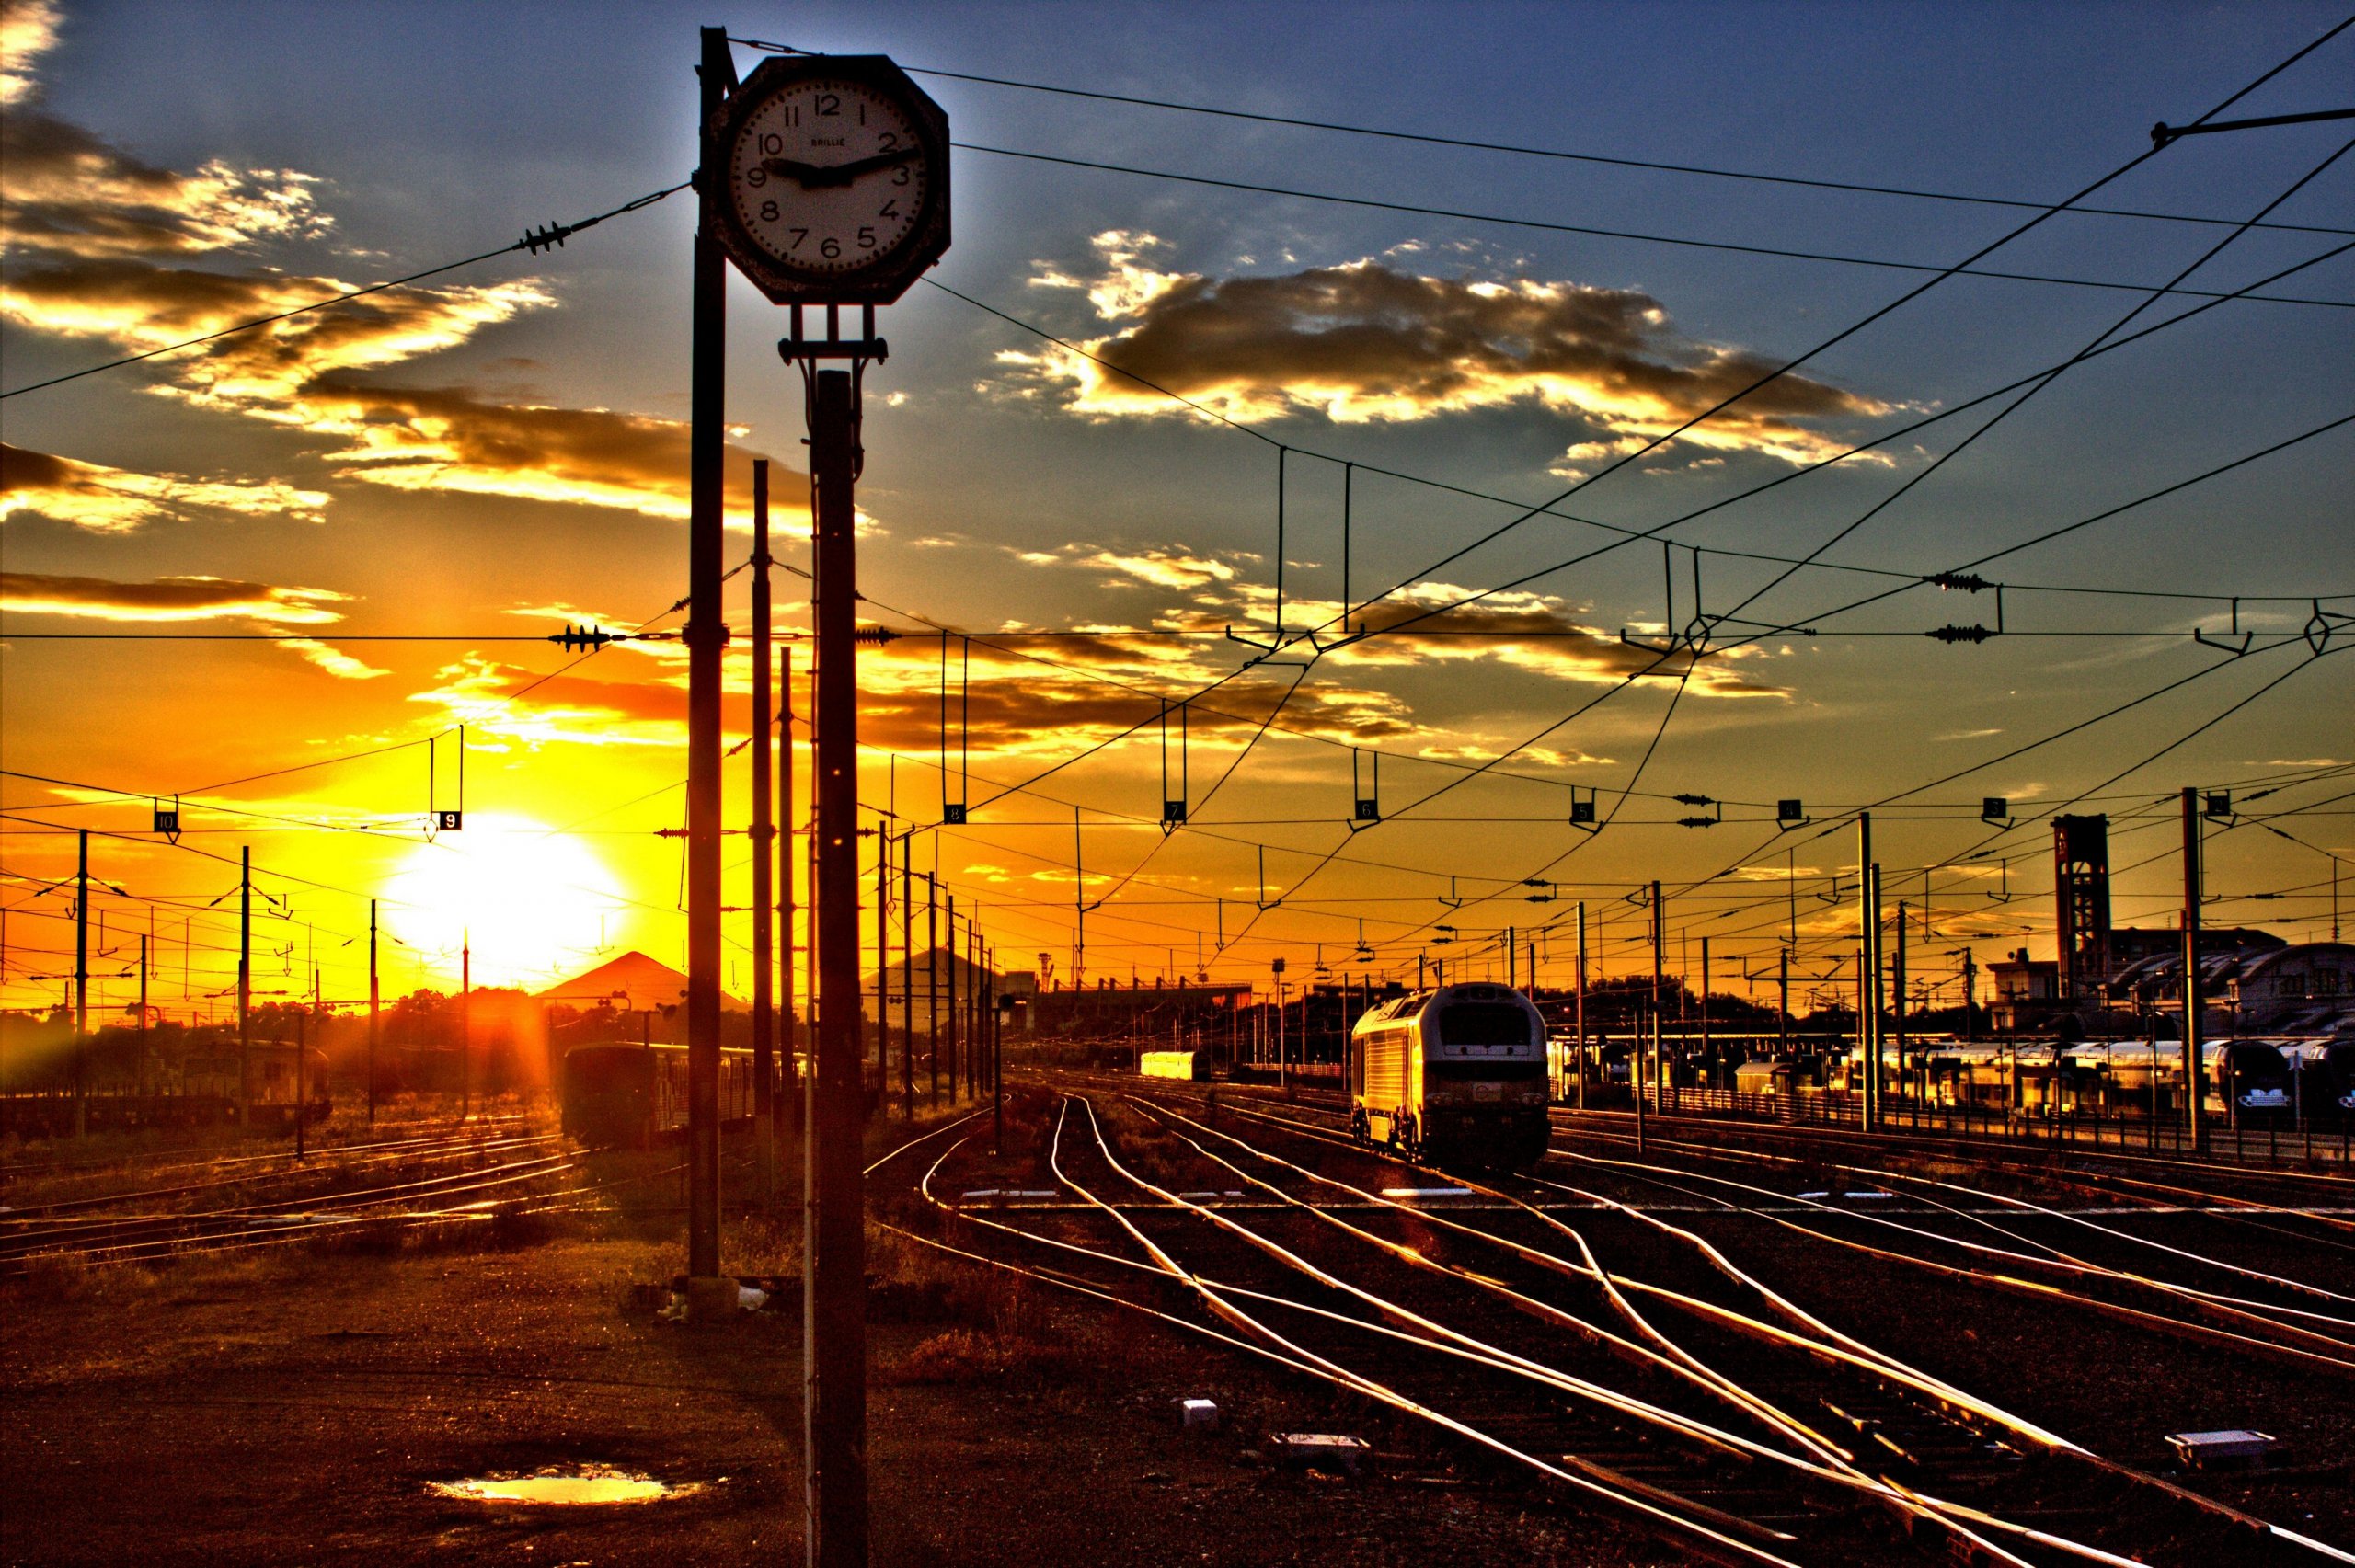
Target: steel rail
1895,1496
1744,1324
2066,1260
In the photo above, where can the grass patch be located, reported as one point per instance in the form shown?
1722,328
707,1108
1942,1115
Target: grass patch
964,1357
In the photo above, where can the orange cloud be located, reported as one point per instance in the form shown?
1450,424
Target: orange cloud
65,190
334,660
116,501
28,28
143,305
1153,567
165,599
1365,341
450,439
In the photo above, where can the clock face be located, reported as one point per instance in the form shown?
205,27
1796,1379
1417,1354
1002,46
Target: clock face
830,175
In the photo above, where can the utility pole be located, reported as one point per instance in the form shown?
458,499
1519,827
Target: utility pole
1581,1015
907,986
466,1026
1704,1008
1868,969
932,980
82,945
245,988
1876,1103
80,983
1783,1002
1658,941
835,1253
883,958
791,1033
948,989
301,1096
2194,1004
764,860
997,1061
707,638
1897,1000
371,1012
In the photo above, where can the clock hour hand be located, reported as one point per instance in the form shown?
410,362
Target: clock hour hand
817,176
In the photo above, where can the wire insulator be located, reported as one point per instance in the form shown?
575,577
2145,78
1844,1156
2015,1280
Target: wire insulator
1959,633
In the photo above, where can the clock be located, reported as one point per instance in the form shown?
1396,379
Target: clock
834,180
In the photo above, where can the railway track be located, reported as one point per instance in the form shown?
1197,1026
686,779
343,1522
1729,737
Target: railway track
2281,1321
1673,1387
490,1167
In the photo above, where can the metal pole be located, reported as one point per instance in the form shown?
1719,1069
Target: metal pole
302,1099
707,639
997,1058
245,986
883,960
466,1026
949,994
764,860
1873,996
1897,1006
1782,1004
82,942
1582,1017
1705,1009
1867,935
789,1034
907,985
1647,1068
81,984
834,1258
2194,1004
932,979
372,1000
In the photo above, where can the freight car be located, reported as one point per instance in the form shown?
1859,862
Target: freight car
1455,1074
620,1092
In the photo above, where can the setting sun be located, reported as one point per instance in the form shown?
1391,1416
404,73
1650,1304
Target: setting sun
533,904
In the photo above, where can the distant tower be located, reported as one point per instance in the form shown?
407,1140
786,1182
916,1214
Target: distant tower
2081,892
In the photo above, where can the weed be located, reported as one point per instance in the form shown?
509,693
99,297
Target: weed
964,1355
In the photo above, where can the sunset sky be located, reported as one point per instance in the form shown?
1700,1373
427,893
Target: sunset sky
484,458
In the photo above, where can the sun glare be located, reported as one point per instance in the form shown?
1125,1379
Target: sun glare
533,902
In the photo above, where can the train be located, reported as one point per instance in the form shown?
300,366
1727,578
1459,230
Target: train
1194,1067
1456,1074
623,1093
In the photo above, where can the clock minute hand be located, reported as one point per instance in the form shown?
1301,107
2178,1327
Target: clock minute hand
819,177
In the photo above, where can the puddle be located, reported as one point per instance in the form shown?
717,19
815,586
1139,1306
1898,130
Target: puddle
588,1485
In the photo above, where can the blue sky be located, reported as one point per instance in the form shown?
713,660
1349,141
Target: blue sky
1000,495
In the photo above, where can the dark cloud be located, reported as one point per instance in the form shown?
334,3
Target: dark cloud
164,599
450,439
65,190
116,501
1368,341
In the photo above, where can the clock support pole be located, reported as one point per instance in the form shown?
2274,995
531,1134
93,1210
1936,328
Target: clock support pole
834,1246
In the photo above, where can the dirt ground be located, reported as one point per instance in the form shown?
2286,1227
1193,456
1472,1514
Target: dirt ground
294,1407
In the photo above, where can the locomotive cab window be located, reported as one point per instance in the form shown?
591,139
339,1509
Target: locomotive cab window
1483,1023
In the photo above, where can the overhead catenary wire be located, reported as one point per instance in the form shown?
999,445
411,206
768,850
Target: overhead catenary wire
1475,144
1543,226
